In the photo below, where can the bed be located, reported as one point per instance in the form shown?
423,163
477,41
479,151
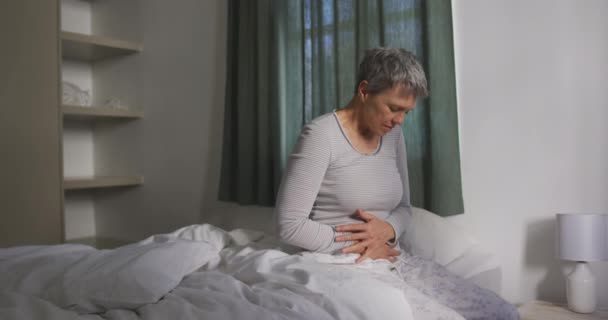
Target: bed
204,272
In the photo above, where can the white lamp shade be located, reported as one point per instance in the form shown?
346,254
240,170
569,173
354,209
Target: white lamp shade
582,237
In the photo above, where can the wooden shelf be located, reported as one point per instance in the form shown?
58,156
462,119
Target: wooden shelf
101,182
86,47
93,112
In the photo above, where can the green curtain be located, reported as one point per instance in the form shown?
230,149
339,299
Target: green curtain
290,61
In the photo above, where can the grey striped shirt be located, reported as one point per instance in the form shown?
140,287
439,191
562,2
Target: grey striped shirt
327,180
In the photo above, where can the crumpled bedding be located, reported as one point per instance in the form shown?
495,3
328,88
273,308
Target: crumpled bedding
202,272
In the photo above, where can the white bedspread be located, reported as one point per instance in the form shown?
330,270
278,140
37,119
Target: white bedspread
198,272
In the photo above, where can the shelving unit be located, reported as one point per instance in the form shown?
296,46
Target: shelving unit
97,182
60,161
100,46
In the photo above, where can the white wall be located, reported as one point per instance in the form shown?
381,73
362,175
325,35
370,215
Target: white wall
533,93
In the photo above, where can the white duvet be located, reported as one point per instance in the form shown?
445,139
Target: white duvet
198,272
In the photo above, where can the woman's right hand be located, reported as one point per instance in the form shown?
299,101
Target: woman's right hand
382,251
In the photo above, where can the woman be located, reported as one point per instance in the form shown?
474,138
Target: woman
346,190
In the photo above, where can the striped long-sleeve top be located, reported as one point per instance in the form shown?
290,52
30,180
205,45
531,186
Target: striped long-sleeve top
327,180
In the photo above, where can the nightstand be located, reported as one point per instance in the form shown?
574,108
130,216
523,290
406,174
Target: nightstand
541,310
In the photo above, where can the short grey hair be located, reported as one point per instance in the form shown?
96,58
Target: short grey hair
383,68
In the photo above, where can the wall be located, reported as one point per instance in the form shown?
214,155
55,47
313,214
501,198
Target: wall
532,84
178,141
30,125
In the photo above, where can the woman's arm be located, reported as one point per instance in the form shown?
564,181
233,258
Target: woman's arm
401,215
299,187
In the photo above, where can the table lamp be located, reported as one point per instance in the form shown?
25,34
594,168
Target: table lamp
582,238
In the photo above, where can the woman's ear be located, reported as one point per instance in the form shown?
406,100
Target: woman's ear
362,90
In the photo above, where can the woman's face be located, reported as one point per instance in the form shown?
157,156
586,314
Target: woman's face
386,109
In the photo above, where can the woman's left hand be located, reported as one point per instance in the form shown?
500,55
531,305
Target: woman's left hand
373,233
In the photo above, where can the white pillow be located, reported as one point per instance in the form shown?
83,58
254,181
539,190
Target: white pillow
435,238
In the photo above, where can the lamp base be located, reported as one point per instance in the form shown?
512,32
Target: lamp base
580,289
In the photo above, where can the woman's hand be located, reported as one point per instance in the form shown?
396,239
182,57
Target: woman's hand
383,251
371,234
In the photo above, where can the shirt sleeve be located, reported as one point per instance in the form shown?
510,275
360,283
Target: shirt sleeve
299,188
401,215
